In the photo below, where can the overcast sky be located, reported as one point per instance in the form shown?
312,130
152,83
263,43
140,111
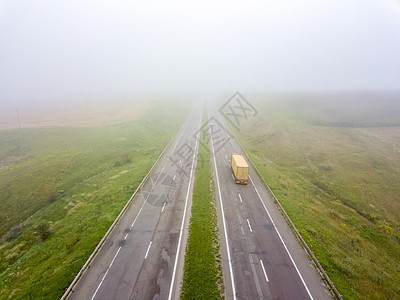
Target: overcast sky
82,49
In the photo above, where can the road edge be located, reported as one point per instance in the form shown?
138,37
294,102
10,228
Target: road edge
70,288
179,264
324,276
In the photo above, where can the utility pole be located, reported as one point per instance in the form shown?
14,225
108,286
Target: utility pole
19,123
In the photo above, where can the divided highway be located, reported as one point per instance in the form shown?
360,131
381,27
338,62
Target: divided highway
262,257
143,256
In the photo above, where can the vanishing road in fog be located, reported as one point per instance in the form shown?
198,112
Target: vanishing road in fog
144,254
139,258
264,260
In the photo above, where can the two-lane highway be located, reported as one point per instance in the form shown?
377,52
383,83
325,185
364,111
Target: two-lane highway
262,258
143,256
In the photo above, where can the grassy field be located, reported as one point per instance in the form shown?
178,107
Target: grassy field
202,277
60,190
336,171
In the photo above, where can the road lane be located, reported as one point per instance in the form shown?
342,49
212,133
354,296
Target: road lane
267,260
138,258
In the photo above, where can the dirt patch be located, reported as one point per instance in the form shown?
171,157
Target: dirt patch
89,114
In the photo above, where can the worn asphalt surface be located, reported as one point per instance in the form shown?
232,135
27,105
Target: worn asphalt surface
143,256
139,258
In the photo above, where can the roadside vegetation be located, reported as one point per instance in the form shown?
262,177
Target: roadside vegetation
202,278
336,171
61,189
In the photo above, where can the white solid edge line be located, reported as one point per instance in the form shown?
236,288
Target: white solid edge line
141,208
116,254
280,237
183,130
109,267
265,273
223,221
101,282
183,219
148,249
248,223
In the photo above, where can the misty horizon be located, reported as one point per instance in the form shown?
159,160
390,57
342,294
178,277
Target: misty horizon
73,51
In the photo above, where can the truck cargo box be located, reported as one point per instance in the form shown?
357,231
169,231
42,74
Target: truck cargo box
240,168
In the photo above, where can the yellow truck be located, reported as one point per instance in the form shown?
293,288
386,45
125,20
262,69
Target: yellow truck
240,168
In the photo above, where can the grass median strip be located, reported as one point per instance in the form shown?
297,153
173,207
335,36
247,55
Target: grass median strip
202,277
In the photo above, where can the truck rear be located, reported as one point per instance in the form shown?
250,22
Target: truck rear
240,168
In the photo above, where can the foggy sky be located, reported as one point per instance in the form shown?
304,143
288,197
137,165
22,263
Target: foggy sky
80,49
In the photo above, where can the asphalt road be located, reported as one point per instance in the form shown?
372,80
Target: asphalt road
139,259
262,259
143,256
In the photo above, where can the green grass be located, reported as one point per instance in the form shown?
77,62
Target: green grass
202,277
62,188
340,186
